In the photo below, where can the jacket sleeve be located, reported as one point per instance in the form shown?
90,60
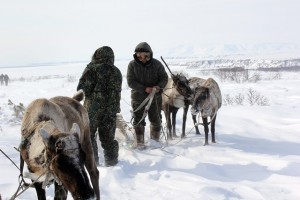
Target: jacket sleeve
131,80
87,82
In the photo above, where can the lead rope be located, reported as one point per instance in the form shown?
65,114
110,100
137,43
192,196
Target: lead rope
146,109
162,148
26,186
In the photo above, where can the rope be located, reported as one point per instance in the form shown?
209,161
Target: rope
126,102
9,159
211,118
22,184
148,99
46,182
26,186
162,148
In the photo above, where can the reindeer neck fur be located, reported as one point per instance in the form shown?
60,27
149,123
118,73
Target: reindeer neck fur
181,83
33,151
51,146
208,98
172,96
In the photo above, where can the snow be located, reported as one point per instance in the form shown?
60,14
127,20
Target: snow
256,157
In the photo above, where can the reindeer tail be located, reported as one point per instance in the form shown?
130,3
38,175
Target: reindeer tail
79,95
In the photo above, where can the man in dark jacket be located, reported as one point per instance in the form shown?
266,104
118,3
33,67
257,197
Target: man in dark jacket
101,82
143,74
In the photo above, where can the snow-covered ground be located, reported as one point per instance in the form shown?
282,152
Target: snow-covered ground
256,157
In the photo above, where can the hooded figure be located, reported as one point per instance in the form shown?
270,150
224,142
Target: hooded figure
1,78
6,79
143,74
101,82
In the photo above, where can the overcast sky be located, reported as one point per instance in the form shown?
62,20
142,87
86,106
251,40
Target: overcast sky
35,31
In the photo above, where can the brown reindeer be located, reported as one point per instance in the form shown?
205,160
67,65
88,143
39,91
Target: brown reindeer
207,101
56,146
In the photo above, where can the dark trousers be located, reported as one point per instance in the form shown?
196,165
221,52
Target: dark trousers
154,112
106,125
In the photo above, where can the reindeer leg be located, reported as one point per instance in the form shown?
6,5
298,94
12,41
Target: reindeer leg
206,129
212,127
40,192
174,113
196,127
168,119
186,108
61,192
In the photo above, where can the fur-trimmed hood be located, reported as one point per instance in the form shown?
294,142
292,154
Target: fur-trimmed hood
143,47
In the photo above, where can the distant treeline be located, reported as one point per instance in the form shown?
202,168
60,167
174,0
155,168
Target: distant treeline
280,69
265,69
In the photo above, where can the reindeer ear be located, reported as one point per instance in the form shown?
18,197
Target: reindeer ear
75,129
208,83
45,135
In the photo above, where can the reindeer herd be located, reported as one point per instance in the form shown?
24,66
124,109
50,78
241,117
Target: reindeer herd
56,143
203,95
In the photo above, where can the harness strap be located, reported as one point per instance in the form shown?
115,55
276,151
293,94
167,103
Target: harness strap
149,99
214,115
150,96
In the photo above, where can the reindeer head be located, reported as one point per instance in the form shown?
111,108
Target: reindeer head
66,160
201,101
181,83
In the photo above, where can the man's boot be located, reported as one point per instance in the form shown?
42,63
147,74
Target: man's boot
140,132
111,154
155,132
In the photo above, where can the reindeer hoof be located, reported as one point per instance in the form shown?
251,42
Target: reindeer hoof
198,133
206,143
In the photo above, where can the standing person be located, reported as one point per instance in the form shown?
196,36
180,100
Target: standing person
1,78
143,74
101,82
6,78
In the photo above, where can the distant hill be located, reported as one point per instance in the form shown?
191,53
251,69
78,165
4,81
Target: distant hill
261,57
236,51
255,64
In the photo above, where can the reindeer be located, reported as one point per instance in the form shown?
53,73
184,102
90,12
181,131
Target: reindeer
179,93
56,147
207,101
203,95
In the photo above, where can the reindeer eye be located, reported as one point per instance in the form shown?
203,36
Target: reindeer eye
60,144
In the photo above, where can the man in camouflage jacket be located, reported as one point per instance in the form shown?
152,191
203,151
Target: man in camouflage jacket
143,74
101,82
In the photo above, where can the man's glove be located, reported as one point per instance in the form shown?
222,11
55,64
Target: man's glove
148,90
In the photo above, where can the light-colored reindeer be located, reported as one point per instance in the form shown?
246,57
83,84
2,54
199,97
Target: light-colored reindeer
207,101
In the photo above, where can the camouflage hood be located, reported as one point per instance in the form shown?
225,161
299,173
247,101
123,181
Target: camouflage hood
104,55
